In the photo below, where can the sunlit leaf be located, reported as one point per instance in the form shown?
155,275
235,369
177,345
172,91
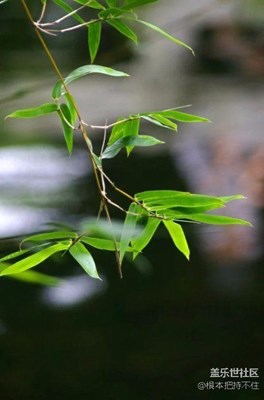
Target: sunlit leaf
94,37
143,239
176,232
123,28
128,141
80,253
43,109
59,90
34,259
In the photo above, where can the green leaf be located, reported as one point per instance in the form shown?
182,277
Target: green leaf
145,236
117,131
65,6
160,120
216,219
111,3
85,259
34,259
59,90
42,237
182,117
163,199
14,255
92,4
123,28
94,37
36,278
72,108
66,118
102,244
129,228
137,3
43,109
98,243
176,232
129,141
163,33
159,194
111,13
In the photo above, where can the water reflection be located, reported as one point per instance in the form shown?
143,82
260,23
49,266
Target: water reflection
72,291
33,187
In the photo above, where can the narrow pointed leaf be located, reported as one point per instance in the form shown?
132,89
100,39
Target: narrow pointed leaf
34,259
94,37
102,244
178,237
141,141
42,237
65,6
59,90
182,117
66,117
92,4
36,278
137,3
143,239
128,227
160,120
14,255
123,28
159,194
163,33
72,108
35,112
217,219
80,253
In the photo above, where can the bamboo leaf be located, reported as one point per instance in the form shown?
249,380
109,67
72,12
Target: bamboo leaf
34,259
80,253
14,255
102,244
145,236
160,120
91,3
178,237
35,112
59,90
182,117
128,228
36,278
137,3
94,37
128,141
163,33
123,28
65,6
66,118
213,219
42,237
